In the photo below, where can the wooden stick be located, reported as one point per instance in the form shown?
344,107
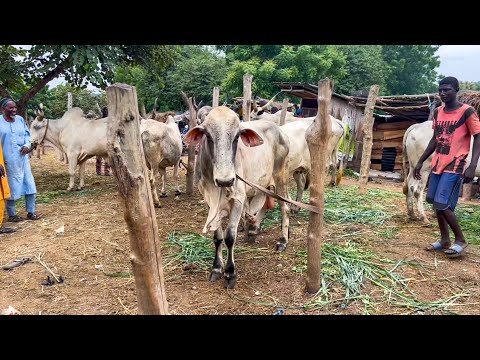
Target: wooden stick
39,259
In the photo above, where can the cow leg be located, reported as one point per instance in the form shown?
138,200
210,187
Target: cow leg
43,149
409,196
176,178
163,176
72,166
333,165
231,235
300,179
280,178
255,206
156,201
81,172
217,269
419,196
38,151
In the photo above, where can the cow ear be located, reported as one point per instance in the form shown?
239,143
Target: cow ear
193,136
250,137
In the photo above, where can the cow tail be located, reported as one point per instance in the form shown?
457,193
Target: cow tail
307,180
405,162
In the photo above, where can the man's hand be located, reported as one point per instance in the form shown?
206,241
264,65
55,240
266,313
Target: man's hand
2,171
469,174
24,150
416,171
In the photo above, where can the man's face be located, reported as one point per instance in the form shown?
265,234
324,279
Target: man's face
447,93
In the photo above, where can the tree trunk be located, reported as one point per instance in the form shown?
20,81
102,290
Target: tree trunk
191,148
247,97
216,96
367,138
126,157
283,114
317,137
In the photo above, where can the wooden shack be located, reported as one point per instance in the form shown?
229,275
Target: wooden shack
393,115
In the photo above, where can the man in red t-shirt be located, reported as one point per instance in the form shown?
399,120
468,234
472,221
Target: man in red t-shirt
454,124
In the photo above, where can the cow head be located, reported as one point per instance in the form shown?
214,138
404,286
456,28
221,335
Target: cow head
220,133
38,126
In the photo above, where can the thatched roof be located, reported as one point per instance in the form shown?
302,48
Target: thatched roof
412,107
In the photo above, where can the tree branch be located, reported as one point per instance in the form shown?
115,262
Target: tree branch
44,81
4,92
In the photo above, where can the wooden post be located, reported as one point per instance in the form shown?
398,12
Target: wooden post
191,148
126,157
216,96
70,101
143,111
283,114
367,138
247,96
317,137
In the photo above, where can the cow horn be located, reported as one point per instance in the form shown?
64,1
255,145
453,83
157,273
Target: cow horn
40,112
268,103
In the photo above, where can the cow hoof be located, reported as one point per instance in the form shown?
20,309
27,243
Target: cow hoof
280,246
163,195
158,206
79,189
215,275
230,281
178,193
70,189
251,239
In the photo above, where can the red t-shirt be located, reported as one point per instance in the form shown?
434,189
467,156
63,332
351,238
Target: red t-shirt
453,131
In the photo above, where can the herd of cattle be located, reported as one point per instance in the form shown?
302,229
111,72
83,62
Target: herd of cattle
265,154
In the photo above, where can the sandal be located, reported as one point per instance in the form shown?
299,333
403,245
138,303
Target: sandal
455,250
15,218
33,216
6,230
436,246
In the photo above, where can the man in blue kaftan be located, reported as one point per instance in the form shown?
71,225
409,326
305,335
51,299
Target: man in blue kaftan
15,138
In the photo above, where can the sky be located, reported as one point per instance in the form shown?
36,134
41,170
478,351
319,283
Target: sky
460,61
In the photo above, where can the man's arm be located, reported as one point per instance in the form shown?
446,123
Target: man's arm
428,151
470,172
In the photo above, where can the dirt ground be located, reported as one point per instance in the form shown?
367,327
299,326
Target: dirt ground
92,256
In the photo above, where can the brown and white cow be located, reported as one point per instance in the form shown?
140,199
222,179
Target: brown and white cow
162,145
260,157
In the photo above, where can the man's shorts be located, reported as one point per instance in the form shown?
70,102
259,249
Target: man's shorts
443,190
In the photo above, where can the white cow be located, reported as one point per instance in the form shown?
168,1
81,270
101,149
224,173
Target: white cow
274,117
78,137
162,145
415,141
260,156
299,161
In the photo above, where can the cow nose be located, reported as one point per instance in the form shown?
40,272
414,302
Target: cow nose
224,183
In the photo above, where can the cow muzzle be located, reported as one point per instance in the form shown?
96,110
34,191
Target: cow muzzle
224,183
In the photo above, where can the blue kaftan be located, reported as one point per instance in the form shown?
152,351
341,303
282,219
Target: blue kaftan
19,174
